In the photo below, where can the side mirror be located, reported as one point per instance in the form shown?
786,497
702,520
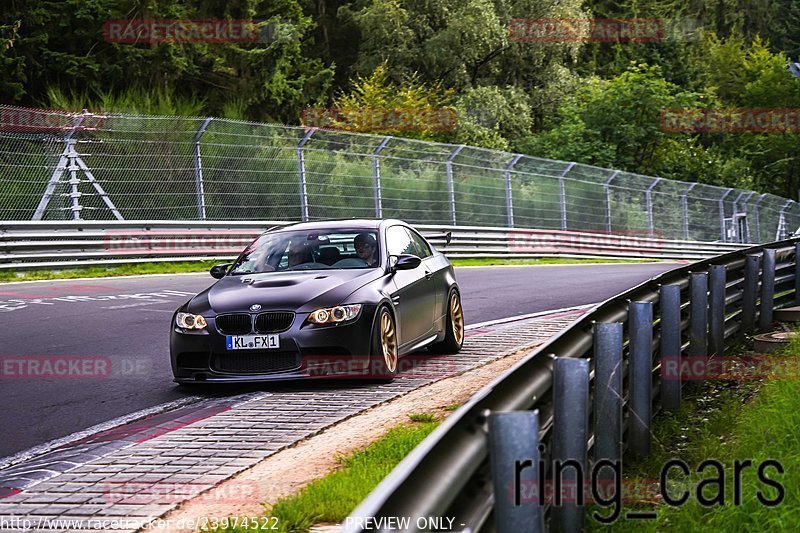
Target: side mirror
404,262
219,271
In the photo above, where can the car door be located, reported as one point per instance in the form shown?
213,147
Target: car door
434,269
415,297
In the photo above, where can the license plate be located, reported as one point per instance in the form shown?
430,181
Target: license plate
251,342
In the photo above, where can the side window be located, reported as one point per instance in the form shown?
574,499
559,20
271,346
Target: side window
398,241
423,250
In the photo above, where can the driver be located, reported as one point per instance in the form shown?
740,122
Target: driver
299,253
366,247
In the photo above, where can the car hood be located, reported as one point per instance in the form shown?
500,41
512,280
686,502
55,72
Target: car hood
290,291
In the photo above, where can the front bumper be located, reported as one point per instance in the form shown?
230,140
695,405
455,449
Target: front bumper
305,351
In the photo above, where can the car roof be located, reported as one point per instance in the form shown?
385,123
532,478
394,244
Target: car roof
348,223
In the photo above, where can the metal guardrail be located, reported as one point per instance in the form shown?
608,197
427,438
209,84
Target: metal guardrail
85,243
465,469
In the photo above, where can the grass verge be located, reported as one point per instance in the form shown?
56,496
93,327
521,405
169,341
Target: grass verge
110,271
491,261
756,421
331,498
204,266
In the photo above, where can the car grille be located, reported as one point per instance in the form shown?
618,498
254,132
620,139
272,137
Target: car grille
235,324
256,362
273,322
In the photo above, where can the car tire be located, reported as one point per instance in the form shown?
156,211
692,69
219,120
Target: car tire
454,327
383,357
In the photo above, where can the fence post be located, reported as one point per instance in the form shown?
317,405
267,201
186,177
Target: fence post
451,189
767,290
509,194
716,320
723,236
756,219
608,391
780,233
376,169
301,165
648,194
514,462
570,439
640,326
562,195
797,273
607,189
685,209
734,219
198,170
752,267
698,314
746,220
670,345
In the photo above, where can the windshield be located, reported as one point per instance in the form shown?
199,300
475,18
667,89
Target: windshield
310,250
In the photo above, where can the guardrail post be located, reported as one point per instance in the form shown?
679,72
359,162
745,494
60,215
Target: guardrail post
716,315
698,314
607,189
767,290
648,194
562,195
685,209
570,437
301,165
514,462
640,326
797,273
376,170
451,189
198,170
509,194
752,266
722,234
670,346
608,391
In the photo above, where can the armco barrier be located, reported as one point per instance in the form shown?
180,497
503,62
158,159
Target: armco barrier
481,468
83,243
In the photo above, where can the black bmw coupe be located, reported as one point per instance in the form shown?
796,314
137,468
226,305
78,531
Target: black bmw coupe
337,299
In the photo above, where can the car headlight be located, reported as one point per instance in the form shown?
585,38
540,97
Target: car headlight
190,321
335,315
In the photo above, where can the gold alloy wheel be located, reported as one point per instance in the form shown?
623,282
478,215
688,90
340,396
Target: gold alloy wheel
457,318
388,342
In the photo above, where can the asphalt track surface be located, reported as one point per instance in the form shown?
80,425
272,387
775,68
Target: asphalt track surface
123,325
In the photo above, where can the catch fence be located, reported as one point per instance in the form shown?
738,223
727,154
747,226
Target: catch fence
71,166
